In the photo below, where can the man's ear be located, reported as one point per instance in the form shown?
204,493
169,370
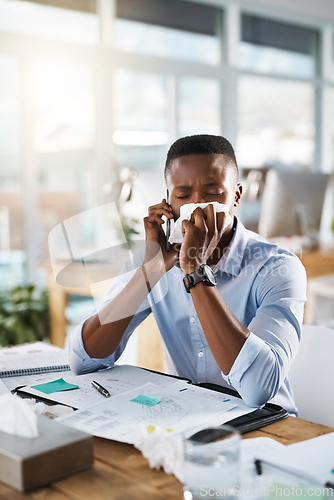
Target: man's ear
238,194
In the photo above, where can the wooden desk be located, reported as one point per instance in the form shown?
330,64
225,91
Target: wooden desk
318,262
120,471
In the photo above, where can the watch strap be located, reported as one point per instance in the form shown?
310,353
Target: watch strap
190,280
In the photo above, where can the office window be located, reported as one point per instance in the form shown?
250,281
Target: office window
332,68
269,46
276,123
332,125
12,260
51,22
199,106
64,143
140,119
174,29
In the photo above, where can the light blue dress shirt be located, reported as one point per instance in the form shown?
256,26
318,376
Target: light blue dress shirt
265,288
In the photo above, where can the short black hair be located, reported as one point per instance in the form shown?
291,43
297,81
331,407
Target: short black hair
200,144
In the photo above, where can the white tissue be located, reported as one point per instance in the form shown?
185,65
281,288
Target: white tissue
16,417
162,449
185,213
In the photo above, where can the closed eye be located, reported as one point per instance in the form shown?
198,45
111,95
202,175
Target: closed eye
183,197
214,194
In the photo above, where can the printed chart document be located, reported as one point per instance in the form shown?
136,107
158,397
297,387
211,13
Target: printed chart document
118,417
240,407
116,380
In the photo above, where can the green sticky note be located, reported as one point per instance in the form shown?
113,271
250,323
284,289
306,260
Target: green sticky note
146,400
54,386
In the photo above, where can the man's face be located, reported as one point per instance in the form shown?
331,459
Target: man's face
203,178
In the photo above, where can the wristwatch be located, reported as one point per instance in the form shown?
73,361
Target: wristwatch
203,273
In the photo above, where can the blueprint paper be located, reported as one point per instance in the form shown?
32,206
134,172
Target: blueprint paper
240,408
118,418
116,380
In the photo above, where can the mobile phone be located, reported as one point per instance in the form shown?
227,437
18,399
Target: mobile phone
167,227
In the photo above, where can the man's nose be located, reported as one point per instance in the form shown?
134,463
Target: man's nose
198,198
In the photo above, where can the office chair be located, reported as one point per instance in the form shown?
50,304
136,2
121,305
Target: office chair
312,375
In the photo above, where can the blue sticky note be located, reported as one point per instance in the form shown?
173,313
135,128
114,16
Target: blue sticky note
55,386
146,400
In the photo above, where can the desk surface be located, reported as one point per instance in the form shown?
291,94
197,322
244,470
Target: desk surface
121,472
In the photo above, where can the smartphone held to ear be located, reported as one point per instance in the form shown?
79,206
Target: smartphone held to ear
167,227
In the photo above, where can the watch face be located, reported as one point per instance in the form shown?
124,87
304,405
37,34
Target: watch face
209,275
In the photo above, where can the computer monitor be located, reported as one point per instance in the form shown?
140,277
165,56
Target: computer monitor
292,205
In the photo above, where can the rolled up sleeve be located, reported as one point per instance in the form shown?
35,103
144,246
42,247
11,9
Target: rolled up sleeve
80,362
264,360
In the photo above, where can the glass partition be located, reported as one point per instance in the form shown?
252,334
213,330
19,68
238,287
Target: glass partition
270,46
199,106
64,143
140,119
173,29
276,123
50,22
12,257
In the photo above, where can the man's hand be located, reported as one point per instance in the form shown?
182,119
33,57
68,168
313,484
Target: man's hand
155,234
201,235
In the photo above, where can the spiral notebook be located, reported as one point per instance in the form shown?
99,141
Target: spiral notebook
31,359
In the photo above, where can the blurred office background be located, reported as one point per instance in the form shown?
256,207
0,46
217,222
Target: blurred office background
92,91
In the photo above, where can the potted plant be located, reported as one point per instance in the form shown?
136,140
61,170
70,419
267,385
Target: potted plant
23,317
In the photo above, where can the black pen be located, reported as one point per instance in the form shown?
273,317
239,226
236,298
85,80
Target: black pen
101,389
258,467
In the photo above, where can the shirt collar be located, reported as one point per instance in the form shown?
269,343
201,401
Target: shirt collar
230,262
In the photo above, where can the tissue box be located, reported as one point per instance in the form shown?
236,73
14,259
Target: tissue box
57,452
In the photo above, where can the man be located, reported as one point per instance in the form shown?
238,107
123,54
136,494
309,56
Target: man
235,323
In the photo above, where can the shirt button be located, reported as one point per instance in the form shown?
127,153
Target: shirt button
192,319
200,354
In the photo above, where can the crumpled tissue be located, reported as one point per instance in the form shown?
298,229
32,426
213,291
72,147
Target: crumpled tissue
51,412
161,449
16,417
185,213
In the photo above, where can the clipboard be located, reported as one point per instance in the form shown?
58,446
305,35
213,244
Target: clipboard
260,417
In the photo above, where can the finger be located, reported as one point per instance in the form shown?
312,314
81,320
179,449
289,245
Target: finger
165,204
210,218
162,209
153,212
221,220
149,222
187,226
162,204
155,218
197,217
